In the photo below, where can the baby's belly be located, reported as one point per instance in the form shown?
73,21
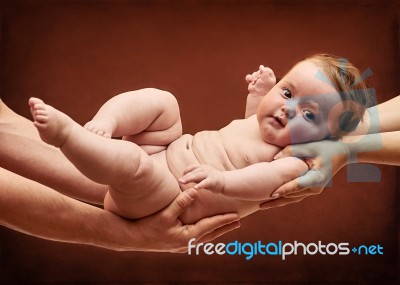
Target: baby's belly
180,154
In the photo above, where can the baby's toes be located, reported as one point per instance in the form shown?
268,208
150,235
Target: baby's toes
99,132
41,119
89,126
107,135
40,115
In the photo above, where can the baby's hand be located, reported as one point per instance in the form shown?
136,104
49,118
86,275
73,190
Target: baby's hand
205,176
261,81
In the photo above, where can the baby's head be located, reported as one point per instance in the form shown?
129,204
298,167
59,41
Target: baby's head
321,97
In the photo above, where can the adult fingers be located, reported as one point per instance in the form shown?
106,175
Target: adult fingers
287,188
212,227
299,151
312,179
302,193
219,232
287,151
183,201
280,202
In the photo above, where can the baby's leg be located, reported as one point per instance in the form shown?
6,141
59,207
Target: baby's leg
139,184
148,116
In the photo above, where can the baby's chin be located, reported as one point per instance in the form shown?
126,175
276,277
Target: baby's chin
277,142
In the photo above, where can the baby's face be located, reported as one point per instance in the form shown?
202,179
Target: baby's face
302,107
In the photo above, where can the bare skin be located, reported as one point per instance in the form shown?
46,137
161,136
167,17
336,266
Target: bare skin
374,141
35,209
260,82
24,153
238,153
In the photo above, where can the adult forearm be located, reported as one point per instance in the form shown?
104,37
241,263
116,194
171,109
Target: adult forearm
389,115
381,148
34,209
23,152
384,117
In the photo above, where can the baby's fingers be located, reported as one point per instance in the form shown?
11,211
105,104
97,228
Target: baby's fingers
249,78
193,177
205,183
191,168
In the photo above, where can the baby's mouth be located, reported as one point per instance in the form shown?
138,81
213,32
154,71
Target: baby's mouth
278,121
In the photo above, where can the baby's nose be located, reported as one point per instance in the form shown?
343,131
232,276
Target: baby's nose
289,109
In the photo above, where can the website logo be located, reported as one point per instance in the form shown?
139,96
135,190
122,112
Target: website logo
284,250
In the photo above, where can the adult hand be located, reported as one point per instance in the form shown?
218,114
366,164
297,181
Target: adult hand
164,231
324,158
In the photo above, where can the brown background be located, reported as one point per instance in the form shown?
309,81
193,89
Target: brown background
77,54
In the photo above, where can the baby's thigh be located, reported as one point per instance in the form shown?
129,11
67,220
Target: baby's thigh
145,191
157,185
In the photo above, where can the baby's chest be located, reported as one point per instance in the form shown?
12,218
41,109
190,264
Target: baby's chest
256,151
245,145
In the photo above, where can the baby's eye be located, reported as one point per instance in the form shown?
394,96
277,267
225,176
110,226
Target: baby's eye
287,93
309,115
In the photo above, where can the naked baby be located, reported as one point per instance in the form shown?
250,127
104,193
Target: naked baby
146,170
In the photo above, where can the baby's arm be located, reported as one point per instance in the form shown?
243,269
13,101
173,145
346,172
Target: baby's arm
255,182
260,82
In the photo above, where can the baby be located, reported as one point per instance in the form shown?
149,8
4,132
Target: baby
146,170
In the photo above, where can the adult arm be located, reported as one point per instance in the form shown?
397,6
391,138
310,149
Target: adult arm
376,140
24,153
34,209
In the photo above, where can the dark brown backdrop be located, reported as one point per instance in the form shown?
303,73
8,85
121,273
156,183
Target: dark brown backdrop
77,54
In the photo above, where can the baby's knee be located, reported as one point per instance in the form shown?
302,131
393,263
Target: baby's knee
144,168
170,116
170,101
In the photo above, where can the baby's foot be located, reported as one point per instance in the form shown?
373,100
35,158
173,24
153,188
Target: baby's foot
54,126
101,126
261,81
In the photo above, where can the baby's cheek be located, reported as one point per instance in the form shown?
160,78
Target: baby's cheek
302,131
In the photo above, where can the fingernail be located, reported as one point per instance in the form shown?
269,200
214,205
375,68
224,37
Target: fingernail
275,195
278,155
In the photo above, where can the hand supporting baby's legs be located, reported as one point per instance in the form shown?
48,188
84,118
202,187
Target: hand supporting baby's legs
139,185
